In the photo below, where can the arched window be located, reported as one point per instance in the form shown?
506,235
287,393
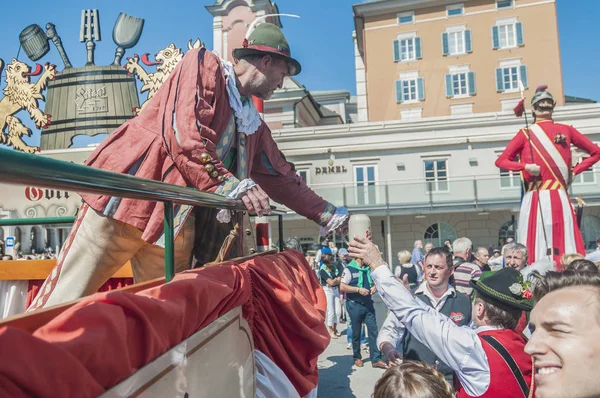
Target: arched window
438,233
507,230
590,230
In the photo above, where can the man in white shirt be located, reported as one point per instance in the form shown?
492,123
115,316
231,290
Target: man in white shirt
489,361
437,293
595,255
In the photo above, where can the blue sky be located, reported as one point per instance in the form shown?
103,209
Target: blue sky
321,40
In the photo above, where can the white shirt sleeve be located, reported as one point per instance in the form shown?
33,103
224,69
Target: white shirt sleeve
457,346
346,276
392,331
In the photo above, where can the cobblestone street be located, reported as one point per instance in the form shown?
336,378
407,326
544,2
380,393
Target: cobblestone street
339,378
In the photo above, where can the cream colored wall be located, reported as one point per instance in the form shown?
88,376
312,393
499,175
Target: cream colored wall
540,53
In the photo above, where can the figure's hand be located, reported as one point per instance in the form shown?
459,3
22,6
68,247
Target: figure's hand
367,251
256,201
533,169
132,64
373,290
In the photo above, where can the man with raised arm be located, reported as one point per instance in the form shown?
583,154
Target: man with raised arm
200,130
488,361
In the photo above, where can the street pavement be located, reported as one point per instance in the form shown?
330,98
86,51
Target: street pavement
339,378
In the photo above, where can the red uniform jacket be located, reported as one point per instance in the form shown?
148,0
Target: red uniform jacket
159,146
502,380
519,146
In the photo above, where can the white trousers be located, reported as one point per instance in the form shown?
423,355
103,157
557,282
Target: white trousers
334,307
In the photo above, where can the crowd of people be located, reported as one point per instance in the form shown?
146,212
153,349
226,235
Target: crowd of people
467,321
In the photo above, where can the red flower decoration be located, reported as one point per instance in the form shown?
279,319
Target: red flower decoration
245,43
527,295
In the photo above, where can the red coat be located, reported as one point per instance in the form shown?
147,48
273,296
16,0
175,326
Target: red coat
502,381
149,147
519,146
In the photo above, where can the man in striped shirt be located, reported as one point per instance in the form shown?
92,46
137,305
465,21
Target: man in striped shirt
465,270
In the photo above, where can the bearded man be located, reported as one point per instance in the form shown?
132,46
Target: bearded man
547,223
201,130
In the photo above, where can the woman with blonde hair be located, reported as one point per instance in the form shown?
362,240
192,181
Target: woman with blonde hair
412,271
412,380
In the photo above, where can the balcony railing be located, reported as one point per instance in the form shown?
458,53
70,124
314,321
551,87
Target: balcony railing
489,192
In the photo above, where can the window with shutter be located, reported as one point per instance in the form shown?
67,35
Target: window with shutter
468,43
445,45
472,85
396,50
499,80
418,50
495,38
399,91
421,88
519,28
523,75
449,92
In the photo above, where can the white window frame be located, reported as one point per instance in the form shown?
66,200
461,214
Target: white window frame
408,36
304,170
511,63
436,180
578,179
405,14
512,6
513,176
365,191
459,70
507,23
458,30
410,77
453,7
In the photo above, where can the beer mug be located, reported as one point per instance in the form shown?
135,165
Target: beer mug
359,225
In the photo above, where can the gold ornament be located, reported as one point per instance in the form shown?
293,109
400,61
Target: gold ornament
209,168
205,158
214,174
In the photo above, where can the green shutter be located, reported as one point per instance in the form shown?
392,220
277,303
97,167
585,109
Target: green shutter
472,85
523,73
495,38
499,80
418,51
468,43
519,28
449,91
399,91
421,88
445,46
396,50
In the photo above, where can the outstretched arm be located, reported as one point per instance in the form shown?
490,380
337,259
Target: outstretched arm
279,180
457,346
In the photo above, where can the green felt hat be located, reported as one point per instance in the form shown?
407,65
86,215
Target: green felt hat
268,39
501,285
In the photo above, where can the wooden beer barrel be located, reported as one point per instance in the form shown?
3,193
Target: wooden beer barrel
34,42
90,100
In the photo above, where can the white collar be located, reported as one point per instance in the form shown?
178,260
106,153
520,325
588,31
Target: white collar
422,289
482,329
246,116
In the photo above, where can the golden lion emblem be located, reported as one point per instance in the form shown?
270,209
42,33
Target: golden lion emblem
166,60
20,94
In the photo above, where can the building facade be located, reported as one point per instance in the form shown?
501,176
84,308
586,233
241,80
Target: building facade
417,157
421,59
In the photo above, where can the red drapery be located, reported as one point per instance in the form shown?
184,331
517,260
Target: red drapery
106,337
111,284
